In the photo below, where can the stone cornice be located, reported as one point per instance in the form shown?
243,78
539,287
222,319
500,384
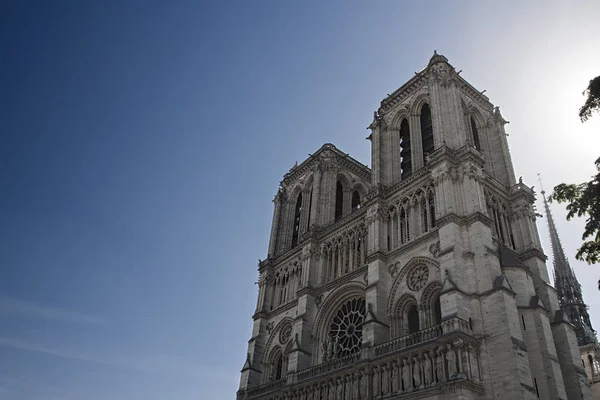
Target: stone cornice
415,179
479,217
270,314
359,272
345,161
531,253
376,256
518,267
474,94
403,92
343,223
431,235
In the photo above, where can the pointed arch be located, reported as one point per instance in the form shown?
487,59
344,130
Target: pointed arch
334,301
434,270
430,303
426,131
339,200
405,149
297,215
356,201
405,318
475,134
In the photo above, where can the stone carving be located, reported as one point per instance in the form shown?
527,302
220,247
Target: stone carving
434,249
285,333
418,277
406,379
355,386
385,380
427,370
331,390
395,378
363,384
340,389
319,300
439,366
417,372
376,380
451,358
348,389
303,394
394,269
270,326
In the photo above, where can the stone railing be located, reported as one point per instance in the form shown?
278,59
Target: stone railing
438,359
408,340
266,388
328,366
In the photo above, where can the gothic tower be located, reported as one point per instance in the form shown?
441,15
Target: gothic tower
422,277
571,303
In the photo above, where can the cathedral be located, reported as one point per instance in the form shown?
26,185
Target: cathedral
422,277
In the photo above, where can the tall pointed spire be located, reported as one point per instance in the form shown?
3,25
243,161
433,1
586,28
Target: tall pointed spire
567,286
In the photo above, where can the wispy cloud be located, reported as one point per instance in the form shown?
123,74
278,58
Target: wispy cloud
156,363
13,306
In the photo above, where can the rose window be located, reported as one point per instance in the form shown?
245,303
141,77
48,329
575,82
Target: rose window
346,328
418,277
285,333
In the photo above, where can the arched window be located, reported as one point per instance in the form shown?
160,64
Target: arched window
413,319
424,212
346,329
309,211
297,214
279,367
403,227
426,131
355,200
437,311
475,135
431,201
405,154
339,200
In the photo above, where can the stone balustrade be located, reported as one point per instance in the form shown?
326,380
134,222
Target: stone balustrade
328,366
408,340
441,358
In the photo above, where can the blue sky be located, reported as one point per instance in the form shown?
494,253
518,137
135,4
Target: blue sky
143,142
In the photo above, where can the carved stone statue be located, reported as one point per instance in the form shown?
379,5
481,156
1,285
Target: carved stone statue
451,358
363,384
272,371
439,366
385,380
348,389
331,391
303,394
406,379
340,389
324,346
336,347
376,380
330,350
355,386
427,369
417,372
395,378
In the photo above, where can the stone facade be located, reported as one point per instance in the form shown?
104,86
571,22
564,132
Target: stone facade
421,278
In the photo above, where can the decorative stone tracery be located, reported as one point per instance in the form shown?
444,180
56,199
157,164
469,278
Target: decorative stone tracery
418,277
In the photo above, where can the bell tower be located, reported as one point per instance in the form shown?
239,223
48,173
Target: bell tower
423,277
